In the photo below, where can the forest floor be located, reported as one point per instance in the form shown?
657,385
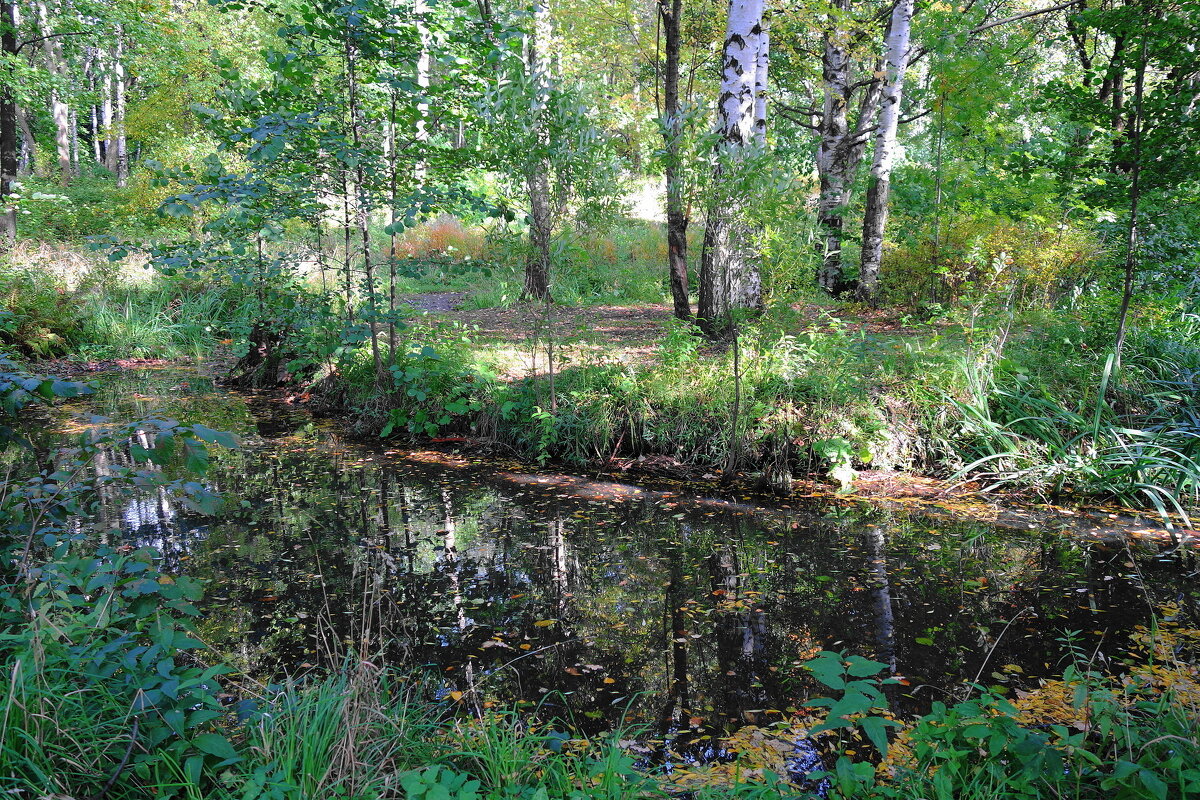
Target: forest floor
627,333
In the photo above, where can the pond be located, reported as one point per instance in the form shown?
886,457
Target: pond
614,602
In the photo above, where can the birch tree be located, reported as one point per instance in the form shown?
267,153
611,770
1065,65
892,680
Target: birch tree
879,187
59,111
729,275
117,138
843,143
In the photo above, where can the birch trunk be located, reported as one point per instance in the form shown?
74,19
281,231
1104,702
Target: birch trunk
8,128
537,179
121,158
106,115
96,154
840,150
729,276
672,128
761,68
875,217
60,113
421,11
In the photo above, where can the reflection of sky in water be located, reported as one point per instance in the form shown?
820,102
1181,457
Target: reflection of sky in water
677,612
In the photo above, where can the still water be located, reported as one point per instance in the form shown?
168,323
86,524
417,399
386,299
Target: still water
614,602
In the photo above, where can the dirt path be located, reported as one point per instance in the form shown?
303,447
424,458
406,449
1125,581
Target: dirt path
436,302
637,325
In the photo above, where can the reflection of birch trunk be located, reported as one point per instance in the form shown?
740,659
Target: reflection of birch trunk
100,467
741,638
454,575
675,623
410,539
885,622
556,540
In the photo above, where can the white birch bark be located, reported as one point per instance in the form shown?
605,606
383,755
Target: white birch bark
739,70
875,217
841,147
106,115
762,65
25,163
119,79
729,276
60,113
421,9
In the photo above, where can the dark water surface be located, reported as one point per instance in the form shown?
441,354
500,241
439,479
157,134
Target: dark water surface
612,601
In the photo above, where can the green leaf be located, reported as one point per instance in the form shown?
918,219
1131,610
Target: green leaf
207,434
217,745
860,667
876,730
1153,783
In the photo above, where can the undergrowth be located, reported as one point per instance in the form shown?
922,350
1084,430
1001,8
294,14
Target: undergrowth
109,694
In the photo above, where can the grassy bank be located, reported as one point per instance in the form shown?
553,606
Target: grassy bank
1006,394
1029,402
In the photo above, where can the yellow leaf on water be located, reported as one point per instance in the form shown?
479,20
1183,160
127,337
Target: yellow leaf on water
544,623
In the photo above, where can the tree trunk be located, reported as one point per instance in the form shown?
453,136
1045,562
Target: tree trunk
1131,252
96,154
537,179
875,218
421,10
8,128
106,117
60,113
361,213
672,128
729,276
840,151
26,162
761,68
121,157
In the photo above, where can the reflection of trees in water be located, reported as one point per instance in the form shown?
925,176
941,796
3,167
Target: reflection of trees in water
885,620
320,549
740,633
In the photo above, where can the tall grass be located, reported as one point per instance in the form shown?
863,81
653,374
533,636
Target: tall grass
153,323
1131,433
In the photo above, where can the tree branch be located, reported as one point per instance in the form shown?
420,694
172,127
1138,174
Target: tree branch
50,36
796,119
1026,15
860,135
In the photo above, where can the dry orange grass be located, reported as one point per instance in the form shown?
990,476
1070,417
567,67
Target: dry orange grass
443,235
